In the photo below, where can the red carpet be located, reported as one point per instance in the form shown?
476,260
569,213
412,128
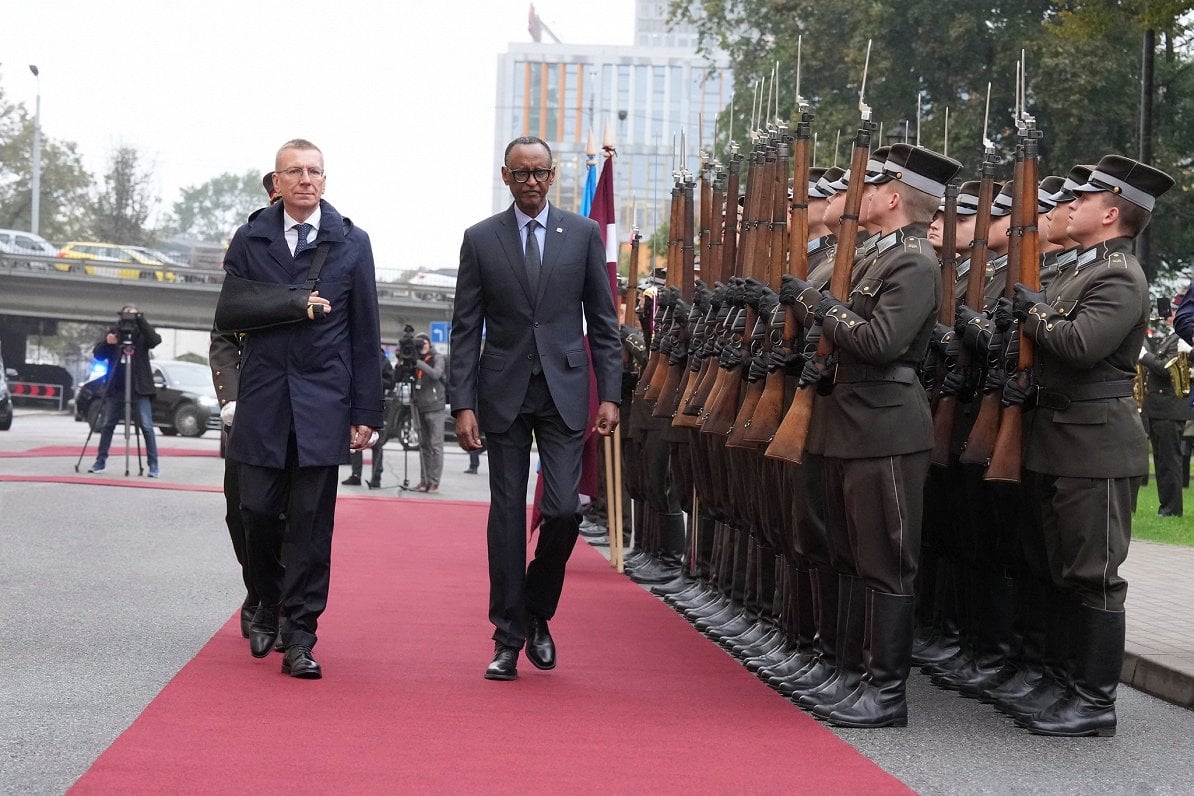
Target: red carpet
639,702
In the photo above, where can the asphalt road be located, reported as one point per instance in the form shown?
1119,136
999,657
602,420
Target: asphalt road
106,593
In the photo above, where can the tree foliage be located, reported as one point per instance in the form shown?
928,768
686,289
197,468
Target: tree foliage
124,201
212,210
64,181
1083,67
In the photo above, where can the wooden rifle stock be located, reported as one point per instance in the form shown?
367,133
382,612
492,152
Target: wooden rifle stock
946,408
981,441
789,442
674,254
669,394
769,412
1007,456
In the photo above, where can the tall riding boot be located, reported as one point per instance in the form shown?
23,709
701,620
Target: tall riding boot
802,628
1056,661
1089,707
666,567
993,636
824,662
748,609
1027,662
945,643
765,633
882,701
851,615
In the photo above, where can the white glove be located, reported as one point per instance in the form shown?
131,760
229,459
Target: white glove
1183,346
373,438
1143,350
227,412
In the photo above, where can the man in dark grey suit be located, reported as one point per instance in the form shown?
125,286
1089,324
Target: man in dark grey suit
530,278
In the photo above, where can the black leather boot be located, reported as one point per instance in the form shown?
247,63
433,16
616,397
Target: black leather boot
824,661
993,637
1089,706
1056,662
1028,662
851,625
945,639
882,702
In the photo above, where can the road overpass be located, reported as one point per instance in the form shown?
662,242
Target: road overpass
35,294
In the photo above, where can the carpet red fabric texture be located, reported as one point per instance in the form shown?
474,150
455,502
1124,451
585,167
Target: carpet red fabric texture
639,702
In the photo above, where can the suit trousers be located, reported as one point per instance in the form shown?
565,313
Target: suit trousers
293,510
1086,525
879,503
431,445
516,589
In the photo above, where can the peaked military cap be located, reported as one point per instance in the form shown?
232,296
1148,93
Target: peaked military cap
814,183
874,166
827,185
968,198
920,168
1045,193
1002,204
1138,183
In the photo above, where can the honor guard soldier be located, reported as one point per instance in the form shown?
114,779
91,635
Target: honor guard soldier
1085,450
873,430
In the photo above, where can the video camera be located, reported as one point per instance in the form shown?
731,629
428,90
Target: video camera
408,349
127,326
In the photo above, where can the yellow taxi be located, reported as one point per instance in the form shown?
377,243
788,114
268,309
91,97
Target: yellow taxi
143,263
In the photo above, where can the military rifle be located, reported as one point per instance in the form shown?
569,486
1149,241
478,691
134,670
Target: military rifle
945,410
789,442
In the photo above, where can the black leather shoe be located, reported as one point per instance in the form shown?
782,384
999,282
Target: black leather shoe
541,650
352,480
263,630
504,665
375,483
246,618
279,644
299,663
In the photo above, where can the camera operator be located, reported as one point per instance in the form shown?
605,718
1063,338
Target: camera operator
135,333
429,398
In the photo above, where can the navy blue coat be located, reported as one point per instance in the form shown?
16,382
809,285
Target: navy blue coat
312,378
494,294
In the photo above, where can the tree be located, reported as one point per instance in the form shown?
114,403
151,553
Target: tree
64,181
212,210
1083,71
122,207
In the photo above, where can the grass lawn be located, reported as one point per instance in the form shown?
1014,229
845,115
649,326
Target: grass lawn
1174,530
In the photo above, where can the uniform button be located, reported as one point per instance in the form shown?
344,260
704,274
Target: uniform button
530,356
536,324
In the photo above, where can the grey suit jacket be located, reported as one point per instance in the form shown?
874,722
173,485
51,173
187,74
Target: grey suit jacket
494,299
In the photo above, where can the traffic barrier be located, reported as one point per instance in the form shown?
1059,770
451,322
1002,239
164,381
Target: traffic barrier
34,391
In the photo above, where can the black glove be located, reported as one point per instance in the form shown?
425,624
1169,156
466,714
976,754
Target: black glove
964,316
954,382
828,304
995,379
810,375
791,286
758,368
940,337
731,357
1002,315
1017,394
1024,300
788,361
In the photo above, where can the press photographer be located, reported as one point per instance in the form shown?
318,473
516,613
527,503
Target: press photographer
429,391
129,389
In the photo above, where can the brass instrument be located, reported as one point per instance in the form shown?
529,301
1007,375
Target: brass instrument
1138,386
1179,373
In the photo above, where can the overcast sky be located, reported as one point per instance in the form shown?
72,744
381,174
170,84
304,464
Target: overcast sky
398,94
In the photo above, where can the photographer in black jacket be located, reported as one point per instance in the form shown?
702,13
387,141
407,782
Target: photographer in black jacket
134,336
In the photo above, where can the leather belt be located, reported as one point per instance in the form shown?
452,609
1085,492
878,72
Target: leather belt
1059,399
849,372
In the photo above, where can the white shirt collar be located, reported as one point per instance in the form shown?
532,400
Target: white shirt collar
523,218
288,223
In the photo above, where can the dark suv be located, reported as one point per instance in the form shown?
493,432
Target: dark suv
185,402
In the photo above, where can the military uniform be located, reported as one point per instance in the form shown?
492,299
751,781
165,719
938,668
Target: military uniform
1085,450
1165,413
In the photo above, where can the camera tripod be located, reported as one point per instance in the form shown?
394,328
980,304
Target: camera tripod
407,396
127,349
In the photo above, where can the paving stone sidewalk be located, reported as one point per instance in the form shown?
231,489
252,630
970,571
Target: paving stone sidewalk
1160,606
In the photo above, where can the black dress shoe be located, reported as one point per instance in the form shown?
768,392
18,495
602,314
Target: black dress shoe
279,644
504,665
375,483
541,650
299,663
352,480
246,618
263,630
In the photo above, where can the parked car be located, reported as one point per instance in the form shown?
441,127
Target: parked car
153,267
185,402
5,397
15,241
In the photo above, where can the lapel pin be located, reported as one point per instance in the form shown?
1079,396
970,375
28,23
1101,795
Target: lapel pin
559,229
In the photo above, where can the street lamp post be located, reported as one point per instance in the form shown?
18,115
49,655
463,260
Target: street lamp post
36,187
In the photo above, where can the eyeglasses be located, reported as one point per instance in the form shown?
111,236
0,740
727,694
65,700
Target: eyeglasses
297,173
522,175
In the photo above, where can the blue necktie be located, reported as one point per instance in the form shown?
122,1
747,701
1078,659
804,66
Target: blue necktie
303,231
